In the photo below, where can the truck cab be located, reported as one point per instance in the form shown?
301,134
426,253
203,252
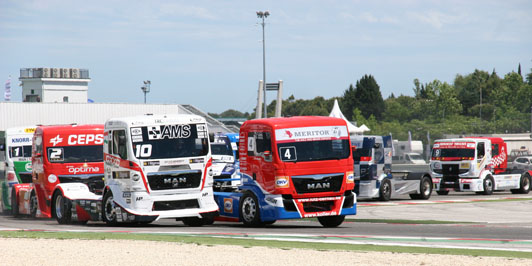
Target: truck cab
292,168
224,164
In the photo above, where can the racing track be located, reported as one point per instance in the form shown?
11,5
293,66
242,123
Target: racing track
505,224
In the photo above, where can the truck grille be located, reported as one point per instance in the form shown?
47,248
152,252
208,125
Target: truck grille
25,177
318,183
318,206
175,205
94,182
175,179
450,169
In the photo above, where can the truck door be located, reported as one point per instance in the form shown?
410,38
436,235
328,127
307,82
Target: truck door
260,157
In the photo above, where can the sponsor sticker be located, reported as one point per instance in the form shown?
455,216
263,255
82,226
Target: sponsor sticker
228,205
281,182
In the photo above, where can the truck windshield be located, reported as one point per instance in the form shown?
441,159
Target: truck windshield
314,150
170,141
75,154
358,153
20,151
447,153
221,149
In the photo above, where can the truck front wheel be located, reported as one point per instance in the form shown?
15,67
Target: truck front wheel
34,205
108,209
249,210
62,208
331,221
14,203
385,191
488,185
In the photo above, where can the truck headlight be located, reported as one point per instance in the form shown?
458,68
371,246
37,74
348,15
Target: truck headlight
436,165
135,177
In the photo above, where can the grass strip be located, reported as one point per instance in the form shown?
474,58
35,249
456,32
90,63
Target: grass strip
208,241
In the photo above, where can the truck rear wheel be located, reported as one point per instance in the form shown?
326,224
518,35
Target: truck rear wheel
108,209
524,185
194,221
488,185
385,191
249,210
331,221
34,204
425,189
62,208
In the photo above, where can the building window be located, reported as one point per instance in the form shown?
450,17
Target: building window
65,99
32,91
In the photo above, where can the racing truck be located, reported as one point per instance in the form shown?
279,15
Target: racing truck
374,177
17,149
224,163
292,168
60,155
475,164
156,166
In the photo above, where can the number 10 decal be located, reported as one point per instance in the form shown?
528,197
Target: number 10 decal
143,150
288,153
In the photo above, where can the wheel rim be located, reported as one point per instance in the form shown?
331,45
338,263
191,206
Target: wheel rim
59,206
249,209
110,213
526,183
489,185
386,190
426,188
33,204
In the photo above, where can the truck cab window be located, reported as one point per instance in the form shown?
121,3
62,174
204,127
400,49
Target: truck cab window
262,143
480,150
119,143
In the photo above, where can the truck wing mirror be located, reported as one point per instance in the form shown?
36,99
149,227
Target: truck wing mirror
267,155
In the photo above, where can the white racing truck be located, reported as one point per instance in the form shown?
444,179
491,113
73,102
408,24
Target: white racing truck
475,164
156,166
374,177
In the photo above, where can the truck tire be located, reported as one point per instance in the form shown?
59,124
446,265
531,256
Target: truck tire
385,190
108,209
5,211
488,185
194,221
34,204
524,185
331,221
425,189
14,204
442,192
62,208
250,210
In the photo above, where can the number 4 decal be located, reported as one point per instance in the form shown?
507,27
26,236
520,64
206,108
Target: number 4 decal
288,153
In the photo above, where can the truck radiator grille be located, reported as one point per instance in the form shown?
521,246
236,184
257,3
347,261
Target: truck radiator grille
175,205
25,177
94,181
318,206
327,183
175,180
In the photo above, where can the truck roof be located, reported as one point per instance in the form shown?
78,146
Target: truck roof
472,139
20,130
150,119
296,121
56,129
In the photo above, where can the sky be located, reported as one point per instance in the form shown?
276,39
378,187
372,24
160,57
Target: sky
209,53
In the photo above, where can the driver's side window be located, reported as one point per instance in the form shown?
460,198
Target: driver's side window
119,144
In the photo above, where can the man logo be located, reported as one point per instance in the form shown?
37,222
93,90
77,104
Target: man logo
175,181
315,186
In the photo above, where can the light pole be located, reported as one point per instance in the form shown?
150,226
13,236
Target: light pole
263,16
146,88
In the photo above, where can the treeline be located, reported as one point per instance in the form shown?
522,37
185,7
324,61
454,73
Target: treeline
477,103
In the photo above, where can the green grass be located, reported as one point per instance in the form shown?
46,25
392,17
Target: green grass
209,241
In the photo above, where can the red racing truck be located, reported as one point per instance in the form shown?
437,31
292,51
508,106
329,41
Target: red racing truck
60,154
292,168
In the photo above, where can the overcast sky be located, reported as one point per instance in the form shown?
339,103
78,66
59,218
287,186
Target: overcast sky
209,53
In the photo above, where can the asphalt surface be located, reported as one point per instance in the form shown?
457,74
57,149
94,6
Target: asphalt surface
497,223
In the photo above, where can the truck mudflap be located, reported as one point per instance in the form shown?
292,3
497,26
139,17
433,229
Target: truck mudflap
279,207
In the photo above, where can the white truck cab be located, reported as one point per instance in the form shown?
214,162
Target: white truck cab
158,166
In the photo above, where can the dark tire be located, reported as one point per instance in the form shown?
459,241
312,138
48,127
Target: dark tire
385,191
193,221
14,204
5,211
34,204
62,208
108,209
488,185
331,221
208,220
425,189
250,210
442,192
524,185
269,222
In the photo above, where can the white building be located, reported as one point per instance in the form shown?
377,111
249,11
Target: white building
54,85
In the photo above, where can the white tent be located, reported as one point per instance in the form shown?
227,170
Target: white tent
353,130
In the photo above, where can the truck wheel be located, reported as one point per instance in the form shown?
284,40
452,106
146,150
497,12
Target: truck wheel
442,192
524,185
14,204
385,191
249,210
34,204
488,185
331,221
193,221
62,208
108,209
425,189
5,211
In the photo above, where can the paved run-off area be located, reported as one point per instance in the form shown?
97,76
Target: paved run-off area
26,251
